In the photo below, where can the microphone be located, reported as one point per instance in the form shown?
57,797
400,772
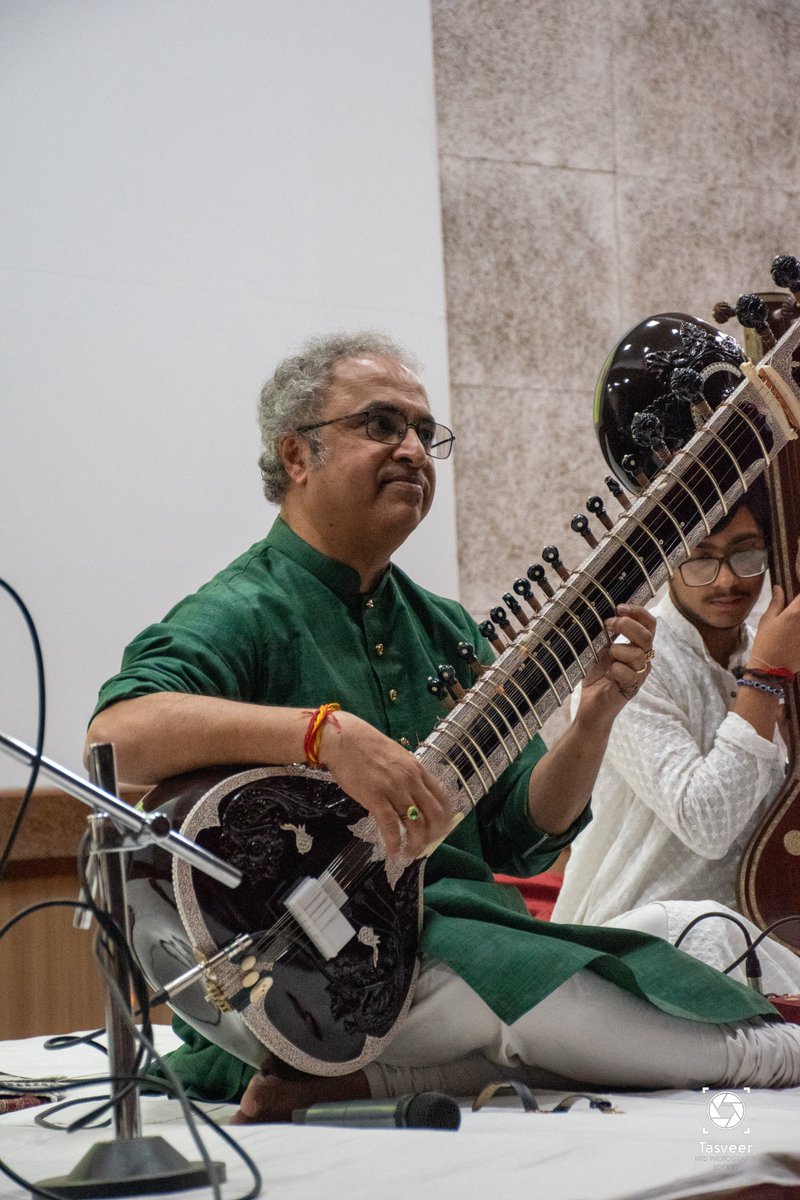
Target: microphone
418,1110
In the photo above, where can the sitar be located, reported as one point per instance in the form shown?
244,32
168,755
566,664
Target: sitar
313,959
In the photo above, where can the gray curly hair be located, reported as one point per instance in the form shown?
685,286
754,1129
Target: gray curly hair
297,391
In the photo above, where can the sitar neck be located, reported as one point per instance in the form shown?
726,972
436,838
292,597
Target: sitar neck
697,486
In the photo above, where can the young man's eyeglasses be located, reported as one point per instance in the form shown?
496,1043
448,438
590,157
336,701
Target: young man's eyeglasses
390,426
696,572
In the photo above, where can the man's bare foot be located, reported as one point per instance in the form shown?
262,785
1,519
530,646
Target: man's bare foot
269,1098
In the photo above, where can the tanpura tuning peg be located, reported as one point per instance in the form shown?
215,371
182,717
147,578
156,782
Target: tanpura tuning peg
596,506
448,676
500,617
466,651
580,524
536,573
552,557
752,314
523,588
631,464
513,605
785,270
487,630
615,487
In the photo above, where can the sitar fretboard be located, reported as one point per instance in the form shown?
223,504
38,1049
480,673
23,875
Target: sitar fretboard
537,673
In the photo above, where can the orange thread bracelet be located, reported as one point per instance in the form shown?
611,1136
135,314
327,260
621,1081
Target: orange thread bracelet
314,732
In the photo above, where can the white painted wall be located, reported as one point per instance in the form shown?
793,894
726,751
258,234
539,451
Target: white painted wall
189,188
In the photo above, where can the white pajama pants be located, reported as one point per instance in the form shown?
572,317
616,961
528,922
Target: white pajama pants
587,1033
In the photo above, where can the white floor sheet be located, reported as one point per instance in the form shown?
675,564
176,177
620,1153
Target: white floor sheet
661,1144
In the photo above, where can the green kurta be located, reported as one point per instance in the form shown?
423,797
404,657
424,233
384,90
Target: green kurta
285,625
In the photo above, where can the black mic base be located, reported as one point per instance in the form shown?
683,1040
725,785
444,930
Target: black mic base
131,1167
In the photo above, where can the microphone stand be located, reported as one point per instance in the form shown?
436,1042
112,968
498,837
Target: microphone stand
131,1165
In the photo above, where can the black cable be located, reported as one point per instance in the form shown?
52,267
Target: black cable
137,978
39,745
753,967
40,904
147,1052
108,932
705,917
764,933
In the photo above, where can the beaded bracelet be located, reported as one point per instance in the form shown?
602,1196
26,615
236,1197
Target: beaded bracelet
314,732
761,687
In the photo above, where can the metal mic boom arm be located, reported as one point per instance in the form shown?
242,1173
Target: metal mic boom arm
145,827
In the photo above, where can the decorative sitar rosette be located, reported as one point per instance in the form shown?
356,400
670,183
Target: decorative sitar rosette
657,386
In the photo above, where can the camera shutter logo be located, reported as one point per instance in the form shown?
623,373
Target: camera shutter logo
726,1110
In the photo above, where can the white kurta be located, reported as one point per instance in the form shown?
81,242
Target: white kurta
681,788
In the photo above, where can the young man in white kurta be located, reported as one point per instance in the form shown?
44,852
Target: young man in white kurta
683,785
695,760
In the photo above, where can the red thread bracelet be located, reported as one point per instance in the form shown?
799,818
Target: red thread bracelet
314,732
772,673
781,672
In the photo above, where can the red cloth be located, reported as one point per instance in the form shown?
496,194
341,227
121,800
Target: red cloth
539,894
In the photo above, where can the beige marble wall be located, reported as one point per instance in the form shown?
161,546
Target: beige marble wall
601,160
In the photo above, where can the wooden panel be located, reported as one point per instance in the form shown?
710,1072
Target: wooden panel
52,826
49,982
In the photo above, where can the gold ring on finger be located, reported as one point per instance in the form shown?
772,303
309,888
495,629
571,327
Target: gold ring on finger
649,655
412,813
641,671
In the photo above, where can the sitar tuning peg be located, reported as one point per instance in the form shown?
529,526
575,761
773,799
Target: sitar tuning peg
466,651
751,312
448,676
523,588
597,508
631,465
438,688
487,630
536,573
686,384
647,431
615,487
785,270
580,524
513,605
500,617
552,557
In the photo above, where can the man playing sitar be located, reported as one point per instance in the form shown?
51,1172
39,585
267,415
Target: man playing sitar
313,647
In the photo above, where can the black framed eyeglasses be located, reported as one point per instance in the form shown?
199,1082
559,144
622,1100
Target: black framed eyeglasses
390,426
745,564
